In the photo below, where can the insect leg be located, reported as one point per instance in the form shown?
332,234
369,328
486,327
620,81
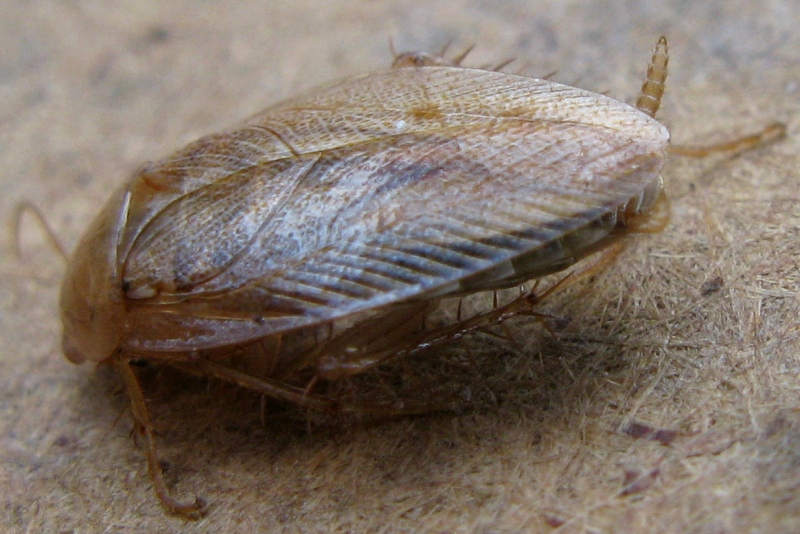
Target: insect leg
141,417
773,132
303,397
372,343
265,386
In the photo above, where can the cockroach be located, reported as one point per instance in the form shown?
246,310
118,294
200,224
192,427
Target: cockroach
305,244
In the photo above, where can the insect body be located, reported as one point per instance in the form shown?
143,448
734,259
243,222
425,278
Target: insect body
414,183
309,239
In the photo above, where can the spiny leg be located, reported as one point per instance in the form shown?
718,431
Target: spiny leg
343,363
772,132
141,417
339,364
302,397
267,387
264,386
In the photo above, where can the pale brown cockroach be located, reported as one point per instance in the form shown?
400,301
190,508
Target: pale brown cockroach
309,240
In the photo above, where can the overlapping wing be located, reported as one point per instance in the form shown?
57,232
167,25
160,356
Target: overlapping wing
388,188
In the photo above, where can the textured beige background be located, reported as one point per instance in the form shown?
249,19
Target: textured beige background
89,90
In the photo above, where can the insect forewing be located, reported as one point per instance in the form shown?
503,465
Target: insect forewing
415,183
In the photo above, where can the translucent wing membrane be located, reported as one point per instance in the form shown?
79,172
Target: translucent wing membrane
350,199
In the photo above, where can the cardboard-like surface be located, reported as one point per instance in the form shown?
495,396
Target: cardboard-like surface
90,90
